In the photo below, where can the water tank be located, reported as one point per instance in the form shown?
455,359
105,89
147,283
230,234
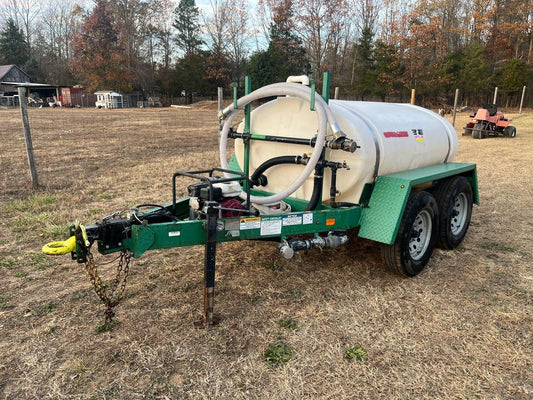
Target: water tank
392,138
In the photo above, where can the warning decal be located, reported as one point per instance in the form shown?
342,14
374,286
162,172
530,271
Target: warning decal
250,223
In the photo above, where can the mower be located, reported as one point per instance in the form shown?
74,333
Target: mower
488,121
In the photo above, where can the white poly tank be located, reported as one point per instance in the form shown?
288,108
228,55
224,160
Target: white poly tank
392,138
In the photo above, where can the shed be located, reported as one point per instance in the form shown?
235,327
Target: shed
12,73
109,99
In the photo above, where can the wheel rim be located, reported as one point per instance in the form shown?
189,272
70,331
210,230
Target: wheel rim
459,214
420,235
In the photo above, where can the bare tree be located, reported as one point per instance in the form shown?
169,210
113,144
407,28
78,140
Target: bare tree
227,27
238,36
161,24
321,25
24,13
366,14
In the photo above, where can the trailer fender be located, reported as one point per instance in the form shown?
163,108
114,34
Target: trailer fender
381,219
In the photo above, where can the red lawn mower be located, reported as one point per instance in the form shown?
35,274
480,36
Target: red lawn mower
488,121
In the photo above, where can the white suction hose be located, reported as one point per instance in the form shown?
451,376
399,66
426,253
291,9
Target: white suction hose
282,89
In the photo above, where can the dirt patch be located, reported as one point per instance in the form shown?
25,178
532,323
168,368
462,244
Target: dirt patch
461,329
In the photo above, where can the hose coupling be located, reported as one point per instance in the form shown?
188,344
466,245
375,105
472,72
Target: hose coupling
222,114
342,143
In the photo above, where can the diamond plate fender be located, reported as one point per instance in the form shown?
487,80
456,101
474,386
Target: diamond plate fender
381,219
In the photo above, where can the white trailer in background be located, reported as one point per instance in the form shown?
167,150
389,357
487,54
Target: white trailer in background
109,99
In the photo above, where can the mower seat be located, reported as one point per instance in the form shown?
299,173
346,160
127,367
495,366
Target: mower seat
491,108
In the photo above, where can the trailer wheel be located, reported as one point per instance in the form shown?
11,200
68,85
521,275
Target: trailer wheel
416,236
478,131
509,131
454,198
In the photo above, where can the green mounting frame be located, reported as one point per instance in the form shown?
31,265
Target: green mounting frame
379,221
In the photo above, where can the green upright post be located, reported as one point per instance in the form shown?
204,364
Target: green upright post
247,110
325,86
326,83
248,107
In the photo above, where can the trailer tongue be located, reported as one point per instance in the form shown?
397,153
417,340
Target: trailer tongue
385,168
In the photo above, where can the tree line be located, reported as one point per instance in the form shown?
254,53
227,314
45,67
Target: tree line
375,49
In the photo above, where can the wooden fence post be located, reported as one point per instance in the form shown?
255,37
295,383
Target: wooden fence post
522,99
495,95
413,96
455,106
336,95
27,135
220,92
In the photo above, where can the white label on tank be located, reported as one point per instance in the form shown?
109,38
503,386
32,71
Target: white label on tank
308,218
174,233
271,226
250,223
289,220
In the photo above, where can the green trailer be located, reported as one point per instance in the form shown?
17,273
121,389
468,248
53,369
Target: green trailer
409,211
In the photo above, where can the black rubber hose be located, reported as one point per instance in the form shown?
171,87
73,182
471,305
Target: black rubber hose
257,177
318,182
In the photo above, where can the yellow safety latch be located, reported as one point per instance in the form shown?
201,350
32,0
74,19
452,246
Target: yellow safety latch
60,247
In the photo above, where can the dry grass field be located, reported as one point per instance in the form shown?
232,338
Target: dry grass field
463,329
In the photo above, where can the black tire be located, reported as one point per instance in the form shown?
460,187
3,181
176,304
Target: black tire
478,131
509,131
416,237
454,198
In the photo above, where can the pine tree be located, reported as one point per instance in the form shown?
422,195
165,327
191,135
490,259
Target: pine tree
285,55
186,23
365,65
13,46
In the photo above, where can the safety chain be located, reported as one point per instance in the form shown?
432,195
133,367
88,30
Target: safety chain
108,294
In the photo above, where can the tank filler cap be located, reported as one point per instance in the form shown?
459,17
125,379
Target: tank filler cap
303,79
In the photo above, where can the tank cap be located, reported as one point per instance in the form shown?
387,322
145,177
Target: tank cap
303,79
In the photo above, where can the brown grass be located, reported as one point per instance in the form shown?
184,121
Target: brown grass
460,330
